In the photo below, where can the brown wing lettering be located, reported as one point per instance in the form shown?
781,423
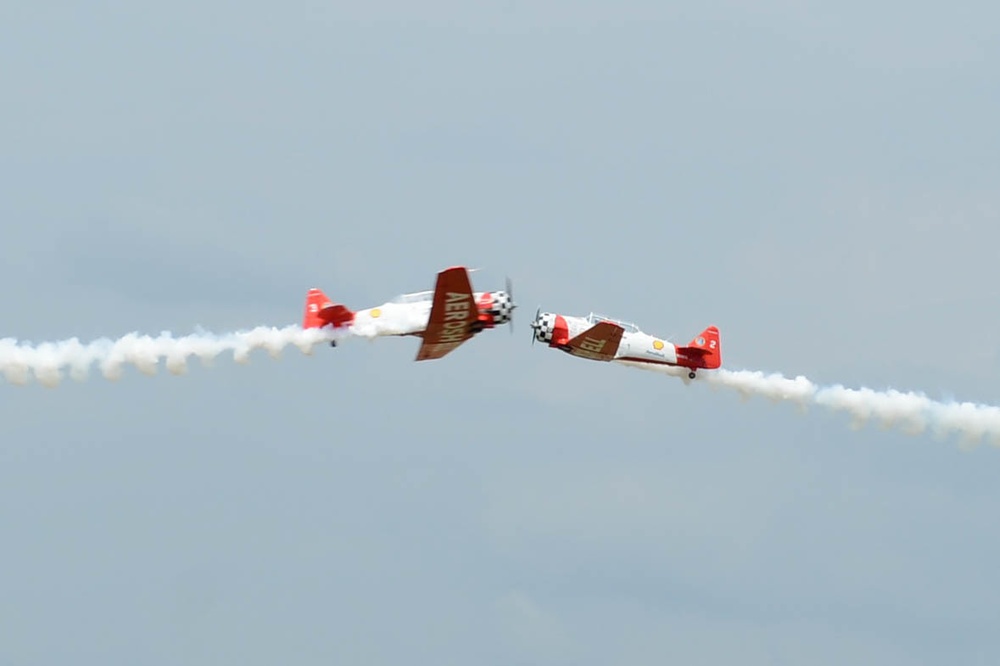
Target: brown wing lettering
599,342
452,313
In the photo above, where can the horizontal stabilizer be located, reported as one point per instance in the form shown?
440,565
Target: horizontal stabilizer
320,311
705,351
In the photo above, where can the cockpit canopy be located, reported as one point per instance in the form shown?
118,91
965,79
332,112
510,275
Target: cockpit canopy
416,297
594,318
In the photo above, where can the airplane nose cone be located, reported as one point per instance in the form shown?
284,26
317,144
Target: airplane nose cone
501,307
542,326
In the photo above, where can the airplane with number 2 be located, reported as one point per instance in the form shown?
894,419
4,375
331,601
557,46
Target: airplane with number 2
601,338
443,318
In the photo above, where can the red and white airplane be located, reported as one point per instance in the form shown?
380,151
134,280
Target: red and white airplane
601,338
443,318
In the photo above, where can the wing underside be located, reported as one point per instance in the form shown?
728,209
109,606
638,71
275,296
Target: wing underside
452,313
599,342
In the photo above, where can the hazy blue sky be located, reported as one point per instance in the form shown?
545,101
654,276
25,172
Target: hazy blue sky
817,179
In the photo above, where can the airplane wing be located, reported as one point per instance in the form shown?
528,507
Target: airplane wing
599,342
452,313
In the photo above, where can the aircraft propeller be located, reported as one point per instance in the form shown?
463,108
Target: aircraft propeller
513,305
534,325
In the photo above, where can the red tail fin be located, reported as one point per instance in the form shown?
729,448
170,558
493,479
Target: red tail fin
705,351
321,311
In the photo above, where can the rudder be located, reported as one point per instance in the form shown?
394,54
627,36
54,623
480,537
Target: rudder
705,350
321,311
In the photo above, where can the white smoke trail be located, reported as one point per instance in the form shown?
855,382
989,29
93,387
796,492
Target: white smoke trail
912,413
46,362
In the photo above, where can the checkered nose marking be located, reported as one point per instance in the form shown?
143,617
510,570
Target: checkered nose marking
544,326
502,308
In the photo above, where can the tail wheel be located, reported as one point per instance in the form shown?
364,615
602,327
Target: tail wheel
691,375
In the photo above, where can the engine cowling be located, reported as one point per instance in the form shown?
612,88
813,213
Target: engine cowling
495,308
551,329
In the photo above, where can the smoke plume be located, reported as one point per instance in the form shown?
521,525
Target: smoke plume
910,412
47,362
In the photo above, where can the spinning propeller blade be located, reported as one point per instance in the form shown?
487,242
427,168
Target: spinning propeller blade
534,325
513,304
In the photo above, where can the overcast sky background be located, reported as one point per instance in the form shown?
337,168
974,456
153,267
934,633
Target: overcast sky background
817,179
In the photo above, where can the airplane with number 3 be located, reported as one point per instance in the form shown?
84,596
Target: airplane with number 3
601,338
443,318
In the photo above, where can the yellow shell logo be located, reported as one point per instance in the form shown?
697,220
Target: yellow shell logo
657,345
375,313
